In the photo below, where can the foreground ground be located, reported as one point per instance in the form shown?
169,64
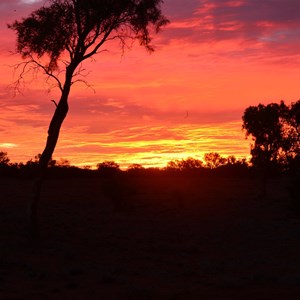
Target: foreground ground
172,239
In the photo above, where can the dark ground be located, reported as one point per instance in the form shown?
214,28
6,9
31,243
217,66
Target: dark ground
200,239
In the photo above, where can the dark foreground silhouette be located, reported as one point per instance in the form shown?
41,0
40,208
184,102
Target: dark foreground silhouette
149,237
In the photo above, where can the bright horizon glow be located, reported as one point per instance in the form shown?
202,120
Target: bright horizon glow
186,99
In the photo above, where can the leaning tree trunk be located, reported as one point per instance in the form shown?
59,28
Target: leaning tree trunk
53,134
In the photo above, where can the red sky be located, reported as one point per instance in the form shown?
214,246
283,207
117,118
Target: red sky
213,60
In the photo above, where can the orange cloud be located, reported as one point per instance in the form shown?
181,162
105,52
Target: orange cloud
215,59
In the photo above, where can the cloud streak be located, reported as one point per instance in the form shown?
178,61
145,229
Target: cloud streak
268,27
215,58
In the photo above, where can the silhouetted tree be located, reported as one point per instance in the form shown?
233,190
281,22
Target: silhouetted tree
184,165
4,163
4,160
231,160
134,167
68,32
214,160
233,167
294,120
275,130
36,160
108,167
190,163
292,135
264,123
62,163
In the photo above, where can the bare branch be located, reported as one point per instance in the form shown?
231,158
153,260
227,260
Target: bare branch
33,66
101,42
54,102
25,69
81,72
85,82
48,72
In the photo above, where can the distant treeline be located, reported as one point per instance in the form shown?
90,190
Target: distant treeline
273,128
213,165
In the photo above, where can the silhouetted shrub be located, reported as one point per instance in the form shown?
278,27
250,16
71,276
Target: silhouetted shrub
108,169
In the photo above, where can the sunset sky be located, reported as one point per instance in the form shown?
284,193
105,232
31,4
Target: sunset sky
211,62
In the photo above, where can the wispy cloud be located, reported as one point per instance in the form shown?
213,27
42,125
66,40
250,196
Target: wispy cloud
8,145
153,143
214,59
260,27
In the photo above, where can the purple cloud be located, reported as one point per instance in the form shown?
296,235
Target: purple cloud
180,10
258,28
256,19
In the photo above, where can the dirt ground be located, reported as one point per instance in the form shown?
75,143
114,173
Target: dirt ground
189,238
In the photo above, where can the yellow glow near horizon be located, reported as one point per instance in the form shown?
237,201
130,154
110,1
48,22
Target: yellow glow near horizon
187,99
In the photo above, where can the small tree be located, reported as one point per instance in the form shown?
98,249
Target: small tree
231,160
275,130
57,38
136,169
214,160
4,160
292,134
62,163
183,165
265,125
5,166
108,168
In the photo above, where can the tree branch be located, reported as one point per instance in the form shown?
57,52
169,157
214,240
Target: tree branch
48,73
32,65
54,102
103,40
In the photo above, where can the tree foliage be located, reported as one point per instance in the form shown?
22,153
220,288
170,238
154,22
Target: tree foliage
81,27
274,128
187,164
64,33
4,160
108,168
293,128
135,167
214,160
